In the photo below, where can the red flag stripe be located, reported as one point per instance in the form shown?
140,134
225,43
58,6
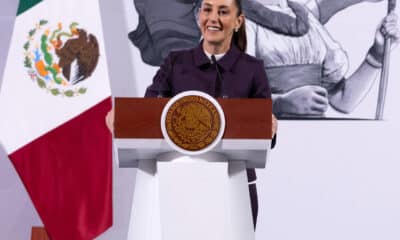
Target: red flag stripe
68,175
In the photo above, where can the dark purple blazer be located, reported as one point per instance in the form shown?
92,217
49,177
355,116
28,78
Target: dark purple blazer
241,76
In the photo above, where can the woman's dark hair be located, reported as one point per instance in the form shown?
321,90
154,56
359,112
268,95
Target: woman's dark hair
239,37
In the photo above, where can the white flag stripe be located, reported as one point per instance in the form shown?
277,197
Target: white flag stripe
44,110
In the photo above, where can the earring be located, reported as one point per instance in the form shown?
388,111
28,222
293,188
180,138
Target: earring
236,29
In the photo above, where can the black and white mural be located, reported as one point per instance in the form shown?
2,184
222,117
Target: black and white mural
310,71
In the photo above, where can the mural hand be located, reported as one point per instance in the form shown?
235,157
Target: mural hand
388,28
305,100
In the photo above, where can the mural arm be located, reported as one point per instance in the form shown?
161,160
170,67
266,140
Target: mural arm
163,28
325,9
277,21
384,77
352,90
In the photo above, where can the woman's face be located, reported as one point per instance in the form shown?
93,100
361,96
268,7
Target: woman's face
218,19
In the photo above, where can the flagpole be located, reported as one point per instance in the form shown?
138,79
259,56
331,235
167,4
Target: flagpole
385,70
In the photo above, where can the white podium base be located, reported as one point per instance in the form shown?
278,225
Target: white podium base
197,197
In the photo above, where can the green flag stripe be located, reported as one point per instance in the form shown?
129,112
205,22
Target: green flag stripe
26,5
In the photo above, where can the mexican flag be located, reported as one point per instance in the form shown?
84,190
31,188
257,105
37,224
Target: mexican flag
54,97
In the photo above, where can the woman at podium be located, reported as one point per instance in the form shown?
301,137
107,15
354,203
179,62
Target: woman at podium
218,66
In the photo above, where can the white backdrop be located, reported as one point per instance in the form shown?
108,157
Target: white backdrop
327,179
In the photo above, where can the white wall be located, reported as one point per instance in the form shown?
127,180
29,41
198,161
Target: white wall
327,179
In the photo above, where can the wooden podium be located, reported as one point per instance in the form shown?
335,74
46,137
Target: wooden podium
179,196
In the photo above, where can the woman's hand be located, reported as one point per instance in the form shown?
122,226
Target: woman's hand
305,100
274,125
110,120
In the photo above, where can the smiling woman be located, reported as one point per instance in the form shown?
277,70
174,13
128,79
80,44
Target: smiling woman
219,22
218,66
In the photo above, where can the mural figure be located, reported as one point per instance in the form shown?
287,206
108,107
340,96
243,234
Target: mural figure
173,26
306,67
307,73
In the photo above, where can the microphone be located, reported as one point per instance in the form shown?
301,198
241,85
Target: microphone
219,76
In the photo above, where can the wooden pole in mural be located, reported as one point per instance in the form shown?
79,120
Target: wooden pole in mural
385,70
